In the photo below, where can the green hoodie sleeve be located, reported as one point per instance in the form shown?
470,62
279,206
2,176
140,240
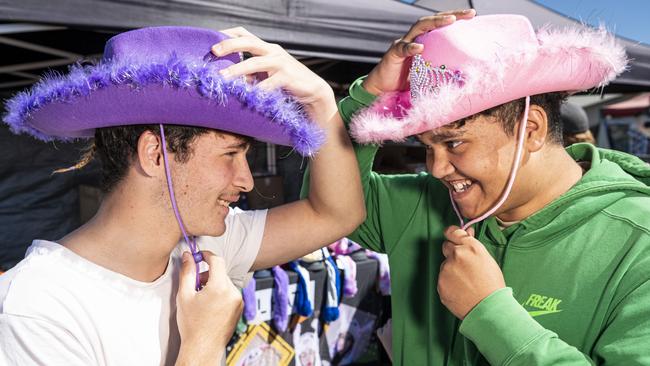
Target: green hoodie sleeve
505,334
381,204
357,100
368,234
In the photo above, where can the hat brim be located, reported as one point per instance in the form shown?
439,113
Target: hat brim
171,91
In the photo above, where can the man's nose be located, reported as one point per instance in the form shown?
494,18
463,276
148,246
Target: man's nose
440,166
244,178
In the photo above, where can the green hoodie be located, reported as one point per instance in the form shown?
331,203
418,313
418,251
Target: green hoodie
577,271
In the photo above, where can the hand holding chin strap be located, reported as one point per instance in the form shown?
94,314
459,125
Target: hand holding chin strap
190,240
511,179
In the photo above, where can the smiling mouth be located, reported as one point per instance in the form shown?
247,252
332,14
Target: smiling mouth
227,202
459,186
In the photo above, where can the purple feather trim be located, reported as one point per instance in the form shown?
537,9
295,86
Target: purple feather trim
277,105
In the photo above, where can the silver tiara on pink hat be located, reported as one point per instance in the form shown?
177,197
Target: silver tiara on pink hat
425,78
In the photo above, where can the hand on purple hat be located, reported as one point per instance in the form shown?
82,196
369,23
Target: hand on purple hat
284,72
206,318
392,71
468,274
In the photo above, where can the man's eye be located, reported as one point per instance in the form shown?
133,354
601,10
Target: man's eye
453,144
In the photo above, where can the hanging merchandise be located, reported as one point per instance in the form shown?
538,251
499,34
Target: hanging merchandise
349,267
384,271
344,246
281,310
330,311
307,344
250,301
313,261
261,346
348,337
301,304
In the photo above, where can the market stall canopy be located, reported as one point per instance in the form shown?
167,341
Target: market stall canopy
339,29
54,33
631,107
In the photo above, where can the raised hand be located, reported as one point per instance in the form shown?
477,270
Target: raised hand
392,71
282,69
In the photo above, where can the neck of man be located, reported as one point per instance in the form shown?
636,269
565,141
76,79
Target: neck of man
543,178
130,235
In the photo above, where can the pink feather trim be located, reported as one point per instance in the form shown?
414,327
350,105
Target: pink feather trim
570,59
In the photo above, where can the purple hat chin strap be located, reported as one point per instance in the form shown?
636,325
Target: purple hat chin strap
190,240
511,180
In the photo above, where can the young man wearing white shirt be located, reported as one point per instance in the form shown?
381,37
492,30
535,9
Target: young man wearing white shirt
108,293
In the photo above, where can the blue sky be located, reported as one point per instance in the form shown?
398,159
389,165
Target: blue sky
627,18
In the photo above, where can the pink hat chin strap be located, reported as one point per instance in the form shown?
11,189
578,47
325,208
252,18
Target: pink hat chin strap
511,179
198,257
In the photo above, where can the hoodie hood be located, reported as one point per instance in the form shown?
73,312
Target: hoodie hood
613,175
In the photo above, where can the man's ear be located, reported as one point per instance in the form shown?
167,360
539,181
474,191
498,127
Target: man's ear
150,157
536,128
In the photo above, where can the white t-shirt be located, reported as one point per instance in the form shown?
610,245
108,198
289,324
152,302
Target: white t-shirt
57,308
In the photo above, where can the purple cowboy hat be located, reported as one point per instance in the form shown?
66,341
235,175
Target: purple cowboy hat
160,75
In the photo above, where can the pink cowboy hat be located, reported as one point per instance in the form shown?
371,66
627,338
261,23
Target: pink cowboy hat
473,65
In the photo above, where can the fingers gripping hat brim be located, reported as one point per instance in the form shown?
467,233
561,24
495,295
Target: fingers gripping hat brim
553,60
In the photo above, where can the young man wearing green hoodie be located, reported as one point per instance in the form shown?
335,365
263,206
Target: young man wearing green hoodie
559,273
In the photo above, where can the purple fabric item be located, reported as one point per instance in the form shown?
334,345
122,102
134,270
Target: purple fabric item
349,276
160,75
384,271
281,309
344,246
250,301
